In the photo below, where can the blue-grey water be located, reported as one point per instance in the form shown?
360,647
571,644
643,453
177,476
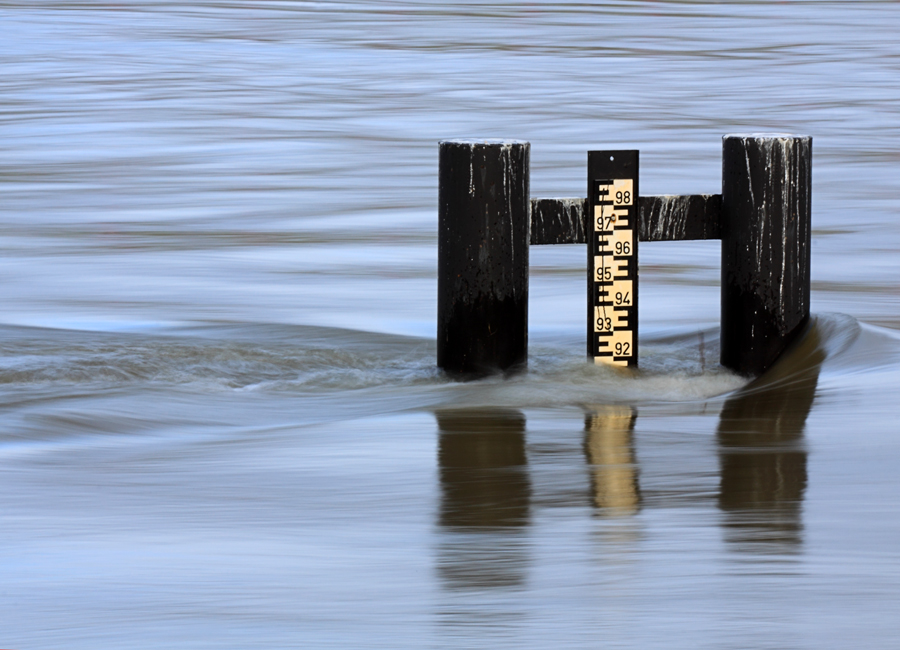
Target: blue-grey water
221,425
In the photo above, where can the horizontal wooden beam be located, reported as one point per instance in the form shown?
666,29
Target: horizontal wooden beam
669,217
672,217
558,221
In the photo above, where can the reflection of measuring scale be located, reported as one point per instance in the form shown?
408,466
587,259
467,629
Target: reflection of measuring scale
612,257
610,452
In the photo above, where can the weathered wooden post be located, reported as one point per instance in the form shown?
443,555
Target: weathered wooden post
483,237
765,230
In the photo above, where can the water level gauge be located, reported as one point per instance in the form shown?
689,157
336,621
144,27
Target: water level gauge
612,257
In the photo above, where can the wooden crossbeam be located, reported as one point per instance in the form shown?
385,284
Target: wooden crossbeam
668,217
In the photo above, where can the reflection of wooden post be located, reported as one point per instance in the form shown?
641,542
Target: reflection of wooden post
765,231
610,451
484,488
761,451
483,226
484,473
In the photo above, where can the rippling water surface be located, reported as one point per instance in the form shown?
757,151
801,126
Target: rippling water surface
222,425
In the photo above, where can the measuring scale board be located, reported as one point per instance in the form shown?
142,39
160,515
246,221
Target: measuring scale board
612,257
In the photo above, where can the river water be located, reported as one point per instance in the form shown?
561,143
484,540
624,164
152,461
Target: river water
222,425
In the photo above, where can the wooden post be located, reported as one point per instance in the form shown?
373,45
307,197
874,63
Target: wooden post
765,232
483,238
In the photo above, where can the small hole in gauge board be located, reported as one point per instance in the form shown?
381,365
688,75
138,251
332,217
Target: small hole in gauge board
612,157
